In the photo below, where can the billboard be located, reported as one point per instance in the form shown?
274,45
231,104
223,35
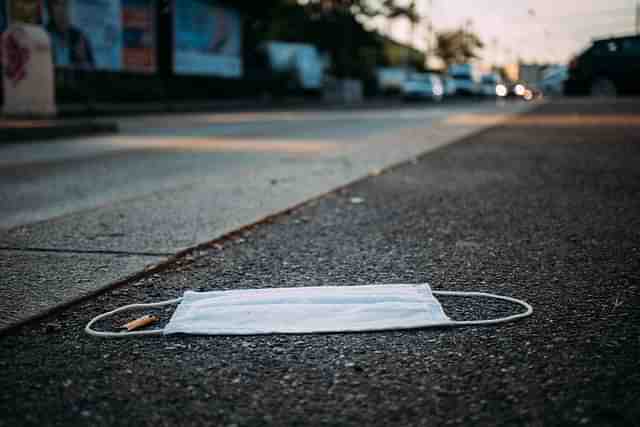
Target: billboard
3,16
102,34
207,39
138,32
85,34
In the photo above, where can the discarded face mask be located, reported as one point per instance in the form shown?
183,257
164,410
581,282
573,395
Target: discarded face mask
307,310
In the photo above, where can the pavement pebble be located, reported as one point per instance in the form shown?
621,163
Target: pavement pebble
516,211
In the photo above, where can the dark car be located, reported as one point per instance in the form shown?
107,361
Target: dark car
609,67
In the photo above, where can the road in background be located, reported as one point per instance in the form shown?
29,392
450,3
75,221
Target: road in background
79,214
164,152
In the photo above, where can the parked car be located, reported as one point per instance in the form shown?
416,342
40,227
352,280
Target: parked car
518,89
491,85
423,86
391,79
467,79
524,91
449,85
553,81
609,67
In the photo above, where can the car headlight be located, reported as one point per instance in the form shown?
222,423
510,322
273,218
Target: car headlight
528,95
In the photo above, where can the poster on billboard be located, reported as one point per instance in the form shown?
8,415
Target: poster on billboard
85,34
3,16
138,32
102,34
4,23
207,39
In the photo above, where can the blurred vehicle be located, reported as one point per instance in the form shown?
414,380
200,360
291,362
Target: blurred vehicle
467,79
391,79
609,67
449,85
526,91
492,85
530,94
502,90
302,63
519,89
553,81
423,86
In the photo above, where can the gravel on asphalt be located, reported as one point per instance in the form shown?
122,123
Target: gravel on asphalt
547,214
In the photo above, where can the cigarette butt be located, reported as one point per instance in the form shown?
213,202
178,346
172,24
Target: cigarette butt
141,322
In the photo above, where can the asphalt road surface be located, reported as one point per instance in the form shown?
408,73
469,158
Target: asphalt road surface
544,207
78,215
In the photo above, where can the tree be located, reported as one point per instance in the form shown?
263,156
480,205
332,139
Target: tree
353,47
334,26
457,46
368,8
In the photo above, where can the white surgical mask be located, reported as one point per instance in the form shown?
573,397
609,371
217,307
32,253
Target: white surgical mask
306,310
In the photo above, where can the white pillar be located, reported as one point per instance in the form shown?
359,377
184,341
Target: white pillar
28,79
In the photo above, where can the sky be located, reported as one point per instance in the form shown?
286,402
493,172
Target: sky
531,30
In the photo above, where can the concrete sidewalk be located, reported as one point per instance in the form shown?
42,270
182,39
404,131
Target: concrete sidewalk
542,209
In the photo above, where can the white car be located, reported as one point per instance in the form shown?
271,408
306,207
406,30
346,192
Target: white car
424,86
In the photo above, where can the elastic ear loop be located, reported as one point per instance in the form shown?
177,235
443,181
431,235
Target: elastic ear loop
453,323
528,312
123,334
